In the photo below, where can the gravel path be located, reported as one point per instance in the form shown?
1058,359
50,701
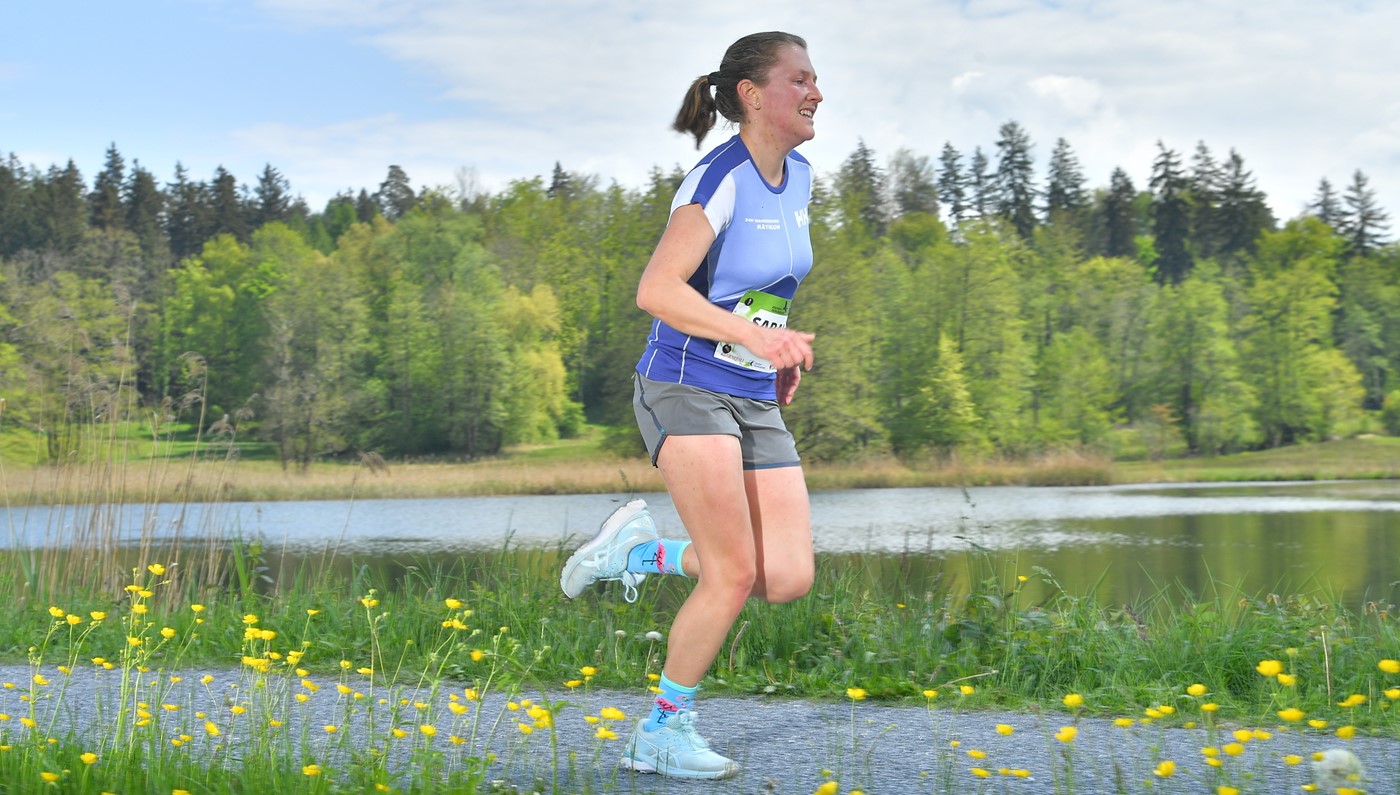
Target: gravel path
783,746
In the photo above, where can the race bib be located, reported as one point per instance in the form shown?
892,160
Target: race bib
761,308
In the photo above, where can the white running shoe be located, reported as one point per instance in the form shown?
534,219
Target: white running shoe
605,557
676,750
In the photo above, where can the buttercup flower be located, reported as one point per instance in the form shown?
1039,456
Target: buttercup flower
855,693
1196,690
1389,666
1270,668
1073,700
1067,734
1292,714
1164,769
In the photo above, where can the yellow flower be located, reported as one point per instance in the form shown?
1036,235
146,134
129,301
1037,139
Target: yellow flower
57,612
1243,735
1292,714
167,633
976,753
524,728
1164,769
1393,693
453,604
1287,680
40,680
1224,789
331,728
1270,668
981,772
1232,749
156,569
211,728
587,670
967,690
1073,700
139,609
1346,732
197,608
311,770
428,730
1317,723
855,693
572,683
369,602
1123,722
827,788
604,733
98,615
1196,690
1353,700
930,694
1292,759
1066,734
612,713
477,654
1210,706
73,620
49,777
1005,729
88,758
1389,666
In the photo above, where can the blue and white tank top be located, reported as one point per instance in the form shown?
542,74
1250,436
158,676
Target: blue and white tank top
761,252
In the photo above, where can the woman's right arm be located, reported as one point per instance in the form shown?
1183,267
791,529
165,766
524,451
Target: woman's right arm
664,292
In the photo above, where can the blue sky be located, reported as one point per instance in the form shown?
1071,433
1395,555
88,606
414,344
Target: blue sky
475,94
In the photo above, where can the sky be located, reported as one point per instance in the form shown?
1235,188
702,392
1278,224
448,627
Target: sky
467,94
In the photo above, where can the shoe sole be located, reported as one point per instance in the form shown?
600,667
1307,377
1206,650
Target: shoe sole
638,766
618,518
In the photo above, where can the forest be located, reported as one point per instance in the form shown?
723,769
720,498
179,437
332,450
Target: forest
964,303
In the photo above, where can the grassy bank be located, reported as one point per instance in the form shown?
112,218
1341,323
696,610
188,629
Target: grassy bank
408,658
582,466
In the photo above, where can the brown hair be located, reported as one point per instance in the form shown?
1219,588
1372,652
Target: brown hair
749,58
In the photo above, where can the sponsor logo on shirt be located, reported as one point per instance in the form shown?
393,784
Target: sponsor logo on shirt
765,223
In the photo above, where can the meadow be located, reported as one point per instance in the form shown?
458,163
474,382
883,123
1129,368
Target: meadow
438,678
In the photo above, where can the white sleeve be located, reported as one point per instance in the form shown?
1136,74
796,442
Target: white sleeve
719,209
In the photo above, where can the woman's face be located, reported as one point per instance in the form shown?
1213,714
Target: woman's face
788,101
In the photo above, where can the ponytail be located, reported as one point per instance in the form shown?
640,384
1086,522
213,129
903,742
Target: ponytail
749,58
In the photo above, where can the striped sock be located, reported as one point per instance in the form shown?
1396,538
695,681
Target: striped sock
662,556
672,699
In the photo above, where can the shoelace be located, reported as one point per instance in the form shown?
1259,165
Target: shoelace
629,583
683,724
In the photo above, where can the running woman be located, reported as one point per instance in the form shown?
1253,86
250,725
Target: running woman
718,364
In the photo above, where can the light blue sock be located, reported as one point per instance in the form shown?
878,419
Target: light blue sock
662,556
672,699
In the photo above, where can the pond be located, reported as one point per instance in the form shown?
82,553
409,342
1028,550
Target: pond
1341,539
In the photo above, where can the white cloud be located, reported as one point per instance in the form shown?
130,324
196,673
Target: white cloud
1298,88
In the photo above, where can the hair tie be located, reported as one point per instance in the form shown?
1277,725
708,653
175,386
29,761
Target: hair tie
715,77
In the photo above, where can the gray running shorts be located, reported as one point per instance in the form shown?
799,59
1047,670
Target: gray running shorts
664,409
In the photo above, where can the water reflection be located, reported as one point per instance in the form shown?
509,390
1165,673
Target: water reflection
1122,543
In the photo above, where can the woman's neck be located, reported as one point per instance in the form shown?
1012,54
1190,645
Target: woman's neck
768,155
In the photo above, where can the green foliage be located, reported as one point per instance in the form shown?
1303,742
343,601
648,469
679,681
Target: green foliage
411,322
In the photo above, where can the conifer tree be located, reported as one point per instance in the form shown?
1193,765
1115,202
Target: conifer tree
61,210
145,210
1205,185
395,196
1364,223
1243,214
913,187
860,184
1064,190
105,201
952,187
188,217
273,198
981,184
1326,206
226,214
1170,217
1119,222
1015,187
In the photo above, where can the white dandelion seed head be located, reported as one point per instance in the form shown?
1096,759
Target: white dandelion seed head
1338,767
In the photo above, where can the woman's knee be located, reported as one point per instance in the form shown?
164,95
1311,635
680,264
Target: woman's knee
789,583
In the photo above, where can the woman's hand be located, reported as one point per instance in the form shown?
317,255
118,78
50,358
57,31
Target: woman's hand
784,348
788,379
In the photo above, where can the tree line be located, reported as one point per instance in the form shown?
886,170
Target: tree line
961,304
